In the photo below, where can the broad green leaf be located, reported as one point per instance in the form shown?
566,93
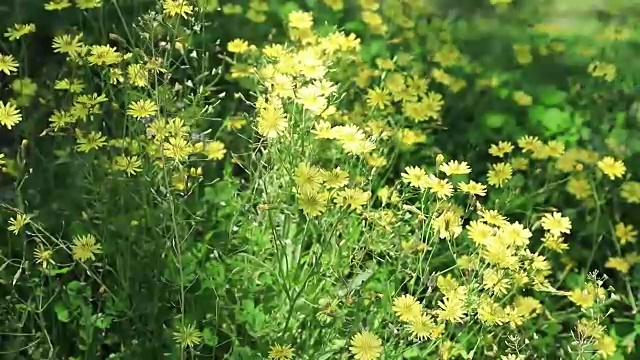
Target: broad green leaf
376,48
495,120
209,337
552,328
355,26
553,119
102,321
411,353
62,313
287,8
552,96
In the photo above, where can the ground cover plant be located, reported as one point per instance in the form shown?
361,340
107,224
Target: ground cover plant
320,179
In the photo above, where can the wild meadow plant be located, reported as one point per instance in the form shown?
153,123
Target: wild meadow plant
288,197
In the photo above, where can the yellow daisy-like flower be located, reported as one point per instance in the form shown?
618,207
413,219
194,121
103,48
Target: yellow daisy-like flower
177,7
441,187
415,177
579,187
520,163
85,247
422,327
530,143
625,233
501,148
511,356
17,223
90,141
8,64
603,70
9,115
215,150
499,174
188,336
473,188
366,346
67,44
554,243
300,20
452,309
57,5
335,178
585,297
142,109
308,178
630,192
611,167
137,75
19,30
407,308
378,98
556,224
177,148
618,263
606,346
272,121
352,198
43,256
103,55
492,217
238,46
88,4
281,352
313,203
454,167
130,165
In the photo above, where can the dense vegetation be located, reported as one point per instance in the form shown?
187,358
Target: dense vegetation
319,179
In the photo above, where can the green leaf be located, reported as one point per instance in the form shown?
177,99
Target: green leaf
574,280
411,353
59,271
616,356
552,328
495,120
553,119
552,96
287,8
376,48
209,337
634,145
102,321
517,181
62,313
354,27
74,287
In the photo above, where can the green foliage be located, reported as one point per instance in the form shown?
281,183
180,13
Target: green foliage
319,179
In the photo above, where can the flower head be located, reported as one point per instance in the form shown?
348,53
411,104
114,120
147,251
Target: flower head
142,109
177,7
556,224
8,64
454,167
281,352
407,308
18,222
85,247
366,346
9,115
611,167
